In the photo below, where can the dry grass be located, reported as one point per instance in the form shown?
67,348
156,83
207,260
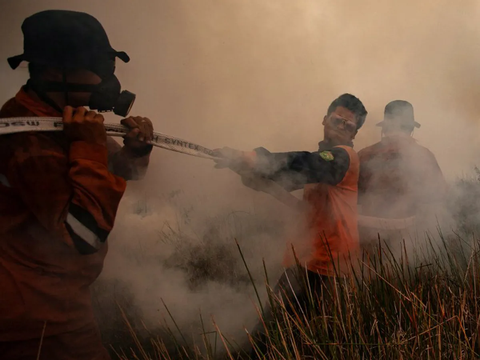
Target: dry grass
395,307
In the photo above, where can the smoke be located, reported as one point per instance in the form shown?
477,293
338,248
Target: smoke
260,73
175,250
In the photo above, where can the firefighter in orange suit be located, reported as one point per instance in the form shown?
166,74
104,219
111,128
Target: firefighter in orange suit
59,191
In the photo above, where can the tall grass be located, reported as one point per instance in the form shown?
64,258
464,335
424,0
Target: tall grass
407,305
389,309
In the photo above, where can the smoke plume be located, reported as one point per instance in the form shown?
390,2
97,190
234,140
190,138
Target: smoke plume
258,73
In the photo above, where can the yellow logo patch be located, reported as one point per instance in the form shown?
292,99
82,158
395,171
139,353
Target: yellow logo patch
326,155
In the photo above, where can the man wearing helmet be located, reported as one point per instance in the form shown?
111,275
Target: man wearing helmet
59,191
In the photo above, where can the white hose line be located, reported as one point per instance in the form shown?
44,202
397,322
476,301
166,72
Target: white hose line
25,124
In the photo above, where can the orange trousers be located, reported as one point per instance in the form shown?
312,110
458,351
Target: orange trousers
82,344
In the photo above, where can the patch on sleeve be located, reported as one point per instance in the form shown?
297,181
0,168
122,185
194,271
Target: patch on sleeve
326,155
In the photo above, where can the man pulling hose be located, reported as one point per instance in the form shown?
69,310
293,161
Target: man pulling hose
59,191
329,178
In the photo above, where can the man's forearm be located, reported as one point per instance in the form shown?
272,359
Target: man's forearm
126,163
129,165
293,170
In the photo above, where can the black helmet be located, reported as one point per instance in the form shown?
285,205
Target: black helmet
65,39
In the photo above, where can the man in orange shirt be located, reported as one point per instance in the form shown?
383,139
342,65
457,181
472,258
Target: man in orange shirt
329,178
59,191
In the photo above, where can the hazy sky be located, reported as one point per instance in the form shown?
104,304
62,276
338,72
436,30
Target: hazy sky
262,73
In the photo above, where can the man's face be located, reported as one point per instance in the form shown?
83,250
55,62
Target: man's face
340,127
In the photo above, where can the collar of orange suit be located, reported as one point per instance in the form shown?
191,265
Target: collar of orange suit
37,107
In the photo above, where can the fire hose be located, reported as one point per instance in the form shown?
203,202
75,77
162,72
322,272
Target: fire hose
167,142
25,124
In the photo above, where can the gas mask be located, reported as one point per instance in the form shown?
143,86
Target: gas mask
105,96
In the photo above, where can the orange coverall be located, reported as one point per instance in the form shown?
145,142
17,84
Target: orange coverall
58,203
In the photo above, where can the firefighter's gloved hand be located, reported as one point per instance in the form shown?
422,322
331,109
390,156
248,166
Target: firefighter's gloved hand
236,160
140,134
226,157
83,125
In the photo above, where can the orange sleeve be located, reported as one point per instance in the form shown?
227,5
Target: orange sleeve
72,196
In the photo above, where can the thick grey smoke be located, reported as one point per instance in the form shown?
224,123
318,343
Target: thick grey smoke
260,73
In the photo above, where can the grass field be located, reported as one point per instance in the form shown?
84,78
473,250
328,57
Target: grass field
421,304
